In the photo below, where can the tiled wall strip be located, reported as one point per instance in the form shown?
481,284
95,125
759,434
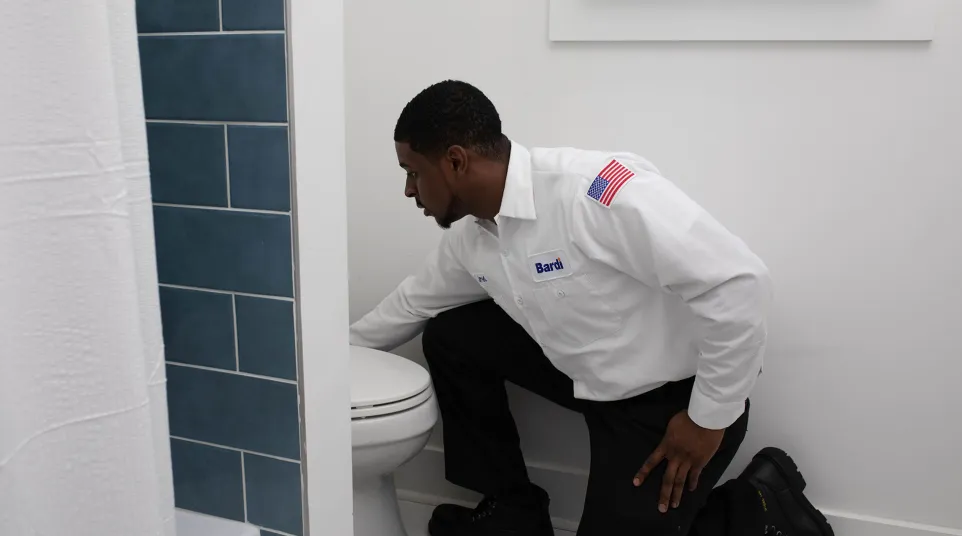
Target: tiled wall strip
215,96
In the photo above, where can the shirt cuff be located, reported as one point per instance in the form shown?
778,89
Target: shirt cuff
713,415
355,339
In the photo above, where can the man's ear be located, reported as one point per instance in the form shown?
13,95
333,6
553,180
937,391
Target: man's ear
458,159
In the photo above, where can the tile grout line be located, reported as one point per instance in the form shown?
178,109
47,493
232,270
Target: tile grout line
244,483
216,291
299,358
207,122
211,33
235,449
227,165
233,303
290,185
224,209
233,372
220,15
274,531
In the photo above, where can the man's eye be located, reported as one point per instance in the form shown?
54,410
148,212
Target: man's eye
412,175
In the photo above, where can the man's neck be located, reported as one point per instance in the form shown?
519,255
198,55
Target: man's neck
492,178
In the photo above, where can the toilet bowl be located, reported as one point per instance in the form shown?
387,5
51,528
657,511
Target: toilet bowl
393,411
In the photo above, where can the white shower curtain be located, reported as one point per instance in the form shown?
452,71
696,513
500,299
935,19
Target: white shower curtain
83,413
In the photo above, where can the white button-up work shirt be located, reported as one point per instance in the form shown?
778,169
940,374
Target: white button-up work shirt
625,282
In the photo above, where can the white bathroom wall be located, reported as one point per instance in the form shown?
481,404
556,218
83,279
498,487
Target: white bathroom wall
836,162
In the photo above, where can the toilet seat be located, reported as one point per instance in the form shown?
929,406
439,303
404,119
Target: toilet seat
385,384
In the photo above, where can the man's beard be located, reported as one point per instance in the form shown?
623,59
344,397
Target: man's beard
446,222
450,215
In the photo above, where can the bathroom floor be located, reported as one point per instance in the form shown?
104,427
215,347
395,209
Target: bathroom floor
416,518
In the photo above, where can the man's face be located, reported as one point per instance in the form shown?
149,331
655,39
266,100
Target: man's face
429,186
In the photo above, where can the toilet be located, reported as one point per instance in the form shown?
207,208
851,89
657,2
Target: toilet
393,410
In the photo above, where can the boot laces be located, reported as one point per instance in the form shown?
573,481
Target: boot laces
485,509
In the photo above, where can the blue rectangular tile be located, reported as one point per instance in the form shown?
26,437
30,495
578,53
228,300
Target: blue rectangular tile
274,494
188,164
265,337
224,250
215,77
198,327
253,14
177,16
260,174
207,479
233,410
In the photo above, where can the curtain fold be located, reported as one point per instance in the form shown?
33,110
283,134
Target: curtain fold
133,134
84,446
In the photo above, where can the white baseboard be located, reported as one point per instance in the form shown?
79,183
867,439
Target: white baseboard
422,481
406,495
850,524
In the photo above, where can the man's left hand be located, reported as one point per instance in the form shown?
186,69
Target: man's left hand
687,448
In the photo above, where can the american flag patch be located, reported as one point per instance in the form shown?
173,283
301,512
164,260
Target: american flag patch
606,185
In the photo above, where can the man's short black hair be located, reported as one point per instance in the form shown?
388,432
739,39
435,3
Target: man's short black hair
451,113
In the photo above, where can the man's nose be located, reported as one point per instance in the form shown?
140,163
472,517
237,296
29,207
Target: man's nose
410,190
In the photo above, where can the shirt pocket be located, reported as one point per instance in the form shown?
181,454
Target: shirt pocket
576,314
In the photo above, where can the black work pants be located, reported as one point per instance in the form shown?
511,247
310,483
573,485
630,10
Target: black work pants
473,350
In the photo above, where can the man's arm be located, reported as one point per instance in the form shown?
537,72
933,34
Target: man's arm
658,235
655,233
440,284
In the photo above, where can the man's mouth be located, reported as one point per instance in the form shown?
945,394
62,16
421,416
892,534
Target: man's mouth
420,206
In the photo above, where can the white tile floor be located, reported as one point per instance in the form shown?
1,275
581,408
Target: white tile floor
416,518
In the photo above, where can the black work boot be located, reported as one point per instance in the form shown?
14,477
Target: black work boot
785,511
519,514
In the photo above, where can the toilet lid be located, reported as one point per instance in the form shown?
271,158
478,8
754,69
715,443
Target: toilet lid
383,383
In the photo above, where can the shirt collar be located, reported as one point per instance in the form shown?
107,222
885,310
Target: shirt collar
518,198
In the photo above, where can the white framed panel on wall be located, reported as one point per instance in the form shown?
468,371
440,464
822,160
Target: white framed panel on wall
742,20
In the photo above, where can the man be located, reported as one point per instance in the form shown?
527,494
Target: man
589,279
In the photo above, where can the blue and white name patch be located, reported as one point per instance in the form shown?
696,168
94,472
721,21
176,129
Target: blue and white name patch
549,265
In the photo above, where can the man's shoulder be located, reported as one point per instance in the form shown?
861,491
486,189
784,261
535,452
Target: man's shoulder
596,181
583,164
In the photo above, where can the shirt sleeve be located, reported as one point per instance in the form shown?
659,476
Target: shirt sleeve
440,284
658,235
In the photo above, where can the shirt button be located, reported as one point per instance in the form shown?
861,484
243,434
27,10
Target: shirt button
519,300
560,293
504,253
